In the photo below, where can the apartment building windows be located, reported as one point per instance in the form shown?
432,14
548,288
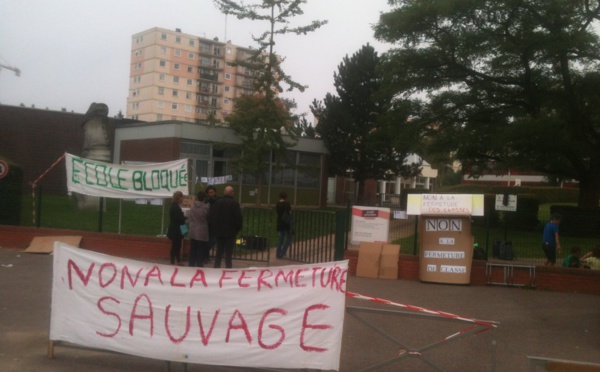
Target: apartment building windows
135,105
188,108
160,104
213,101
226,101
163,36
205,48
176,79
190,82
163,50
178,39
214,88
227,76
135,92
229,51
175,93
161,91
138,53
203,86
176,66
204,61
138,40
177,52
188,95
192,42
174,106
226,88
190,69
137,79
217,51
162,63
161,77
138,66
191,55
215,63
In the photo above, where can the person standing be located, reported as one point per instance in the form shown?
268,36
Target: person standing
225,224
176,219
212,197
550,239
198,216
284,225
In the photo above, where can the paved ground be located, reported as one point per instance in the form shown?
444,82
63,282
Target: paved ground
531,322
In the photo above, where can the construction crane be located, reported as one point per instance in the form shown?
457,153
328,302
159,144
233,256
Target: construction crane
8,67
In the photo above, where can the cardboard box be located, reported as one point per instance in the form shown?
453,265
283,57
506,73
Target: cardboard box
369,255
388,266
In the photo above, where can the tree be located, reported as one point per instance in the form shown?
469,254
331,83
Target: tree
264,117
354,124
508,83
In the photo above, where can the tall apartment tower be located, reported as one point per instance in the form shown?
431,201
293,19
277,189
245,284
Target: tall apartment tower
177,76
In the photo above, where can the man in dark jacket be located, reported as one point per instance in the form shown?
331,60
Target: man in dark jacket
225,224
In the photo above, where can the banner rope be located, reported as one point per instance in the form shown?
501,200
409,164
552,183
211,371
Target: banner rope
34,183
423,310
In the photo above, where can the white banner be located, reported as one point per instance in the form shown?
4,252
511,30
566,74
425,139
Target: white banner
96,178
268,317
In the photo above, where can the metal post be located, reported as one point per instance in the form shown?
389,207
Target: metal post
416,235
340,235
100,210
38,206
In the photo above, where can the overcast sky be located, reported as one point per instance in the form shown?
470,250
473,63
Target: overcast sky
75,52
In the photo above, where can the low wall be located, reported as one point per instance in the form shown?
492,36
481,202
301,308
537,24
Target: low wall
552,278
129,246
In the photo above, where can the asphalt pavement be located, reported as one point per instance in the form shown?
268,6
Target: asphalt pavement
529,323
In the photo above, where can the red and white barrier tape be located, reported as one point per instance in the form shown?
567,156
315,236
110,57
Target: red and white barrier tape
423,310
34,183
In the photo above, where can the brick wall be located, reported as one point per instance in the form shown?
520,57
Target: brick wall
557,279
143,247
35,138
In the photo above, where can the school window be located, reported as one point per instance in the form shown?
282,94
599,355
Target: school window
163,63
161,91
191,55
176,66
177,52
160,104
227,76
176,79
163,36
173,106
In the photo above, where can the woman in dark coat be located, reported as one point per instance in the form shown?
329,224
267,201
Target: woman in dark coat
176,219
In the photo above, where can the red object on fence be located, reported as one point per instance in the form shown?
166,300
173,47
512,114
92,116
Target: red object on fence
34,183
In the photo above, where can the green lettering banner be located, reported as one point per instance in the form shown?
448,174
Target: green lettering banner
153,180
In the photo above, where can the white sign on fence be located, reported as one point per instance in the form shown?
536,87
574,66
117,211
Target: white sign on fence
131,181
272,317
